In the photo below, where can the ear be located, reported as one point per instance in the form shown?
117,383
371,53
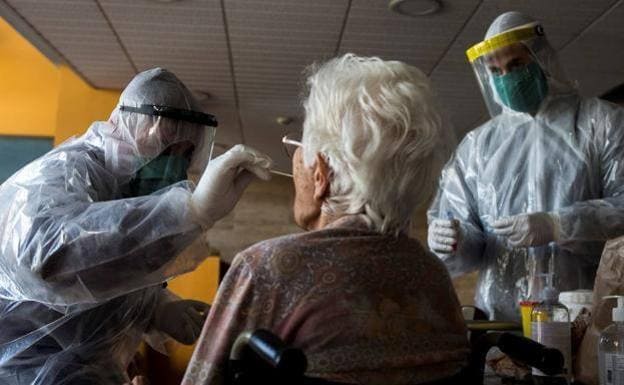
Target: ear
321,178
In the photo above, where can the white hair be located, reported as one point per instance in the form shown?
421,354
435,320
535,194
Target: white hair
377,125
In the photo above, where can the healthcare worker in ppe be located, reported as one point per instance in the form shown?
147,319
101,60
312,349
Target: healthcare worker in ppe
539,187
90,231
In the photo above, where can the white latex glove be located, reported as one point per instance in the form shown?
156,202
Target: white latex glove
183,320
224,180
526,230
444,235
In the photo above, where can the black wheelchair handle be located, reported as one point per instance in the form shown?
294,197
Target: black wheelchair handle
276,353
549,361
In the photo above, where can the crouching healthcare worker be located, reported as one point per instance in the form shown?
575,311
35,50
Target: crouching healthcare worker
90,231
539,187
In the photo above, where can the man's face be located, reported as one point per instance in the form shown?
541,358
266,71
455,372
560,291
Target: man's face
508,58
152,136
306,209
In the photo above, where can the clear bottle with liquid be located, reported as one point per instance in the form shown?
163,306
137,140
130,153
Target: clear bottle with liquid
550,326
611,347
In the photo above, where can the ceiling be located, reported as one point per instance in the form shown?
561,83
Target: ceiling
249,55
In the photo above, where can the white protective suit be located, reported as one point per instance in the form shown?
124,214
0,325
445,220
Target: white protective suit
565,160
82,263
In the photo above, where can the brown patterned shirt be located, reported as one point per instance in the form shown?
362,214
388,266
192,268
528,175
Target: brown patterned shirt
365,307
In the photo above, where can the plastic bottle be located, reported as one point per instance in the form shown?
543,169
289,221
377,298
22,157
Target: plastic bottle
576,301
550,326
611,347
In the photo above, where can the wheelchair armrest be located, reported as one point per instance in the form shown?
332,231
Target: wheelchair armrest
549,361
258,356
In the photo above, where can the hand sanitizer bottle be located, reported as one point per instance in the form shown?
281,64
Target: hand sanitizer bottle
611,347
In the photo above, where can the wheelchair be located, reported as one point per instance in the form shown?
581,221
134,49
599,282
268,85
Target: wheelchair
260,357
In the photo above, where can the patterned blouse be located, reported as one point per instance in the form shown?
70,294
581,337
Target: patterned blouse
365,308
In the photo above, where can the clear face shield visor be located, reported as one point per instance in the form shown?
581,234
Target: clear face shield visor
193,127
510,74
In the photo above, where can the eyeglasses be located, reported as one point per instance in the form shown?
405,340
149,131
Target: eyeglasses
291,141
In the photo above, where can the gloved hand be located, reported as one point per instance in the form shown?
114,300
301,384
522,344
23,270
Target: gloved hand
444,235
181,319
526,230
224,180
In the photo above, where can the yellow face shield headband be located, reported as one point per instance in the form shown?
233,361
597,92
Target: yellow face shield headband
504,39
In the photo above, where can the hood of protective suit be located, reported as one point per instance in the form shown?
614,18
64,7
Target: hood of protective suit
506,22
131,139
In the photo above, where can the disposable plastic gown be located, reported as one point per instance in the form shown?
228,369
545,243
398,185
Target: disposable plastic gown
82,264
567,159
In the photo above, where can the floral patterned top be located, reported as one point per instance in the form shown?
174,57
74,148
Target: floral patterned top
365,308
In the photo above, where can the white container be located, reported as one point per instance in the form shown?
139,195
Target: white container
576,300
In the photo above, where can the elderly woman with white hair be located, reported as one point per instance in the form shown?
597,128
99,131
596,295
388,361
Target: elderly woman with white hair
366,303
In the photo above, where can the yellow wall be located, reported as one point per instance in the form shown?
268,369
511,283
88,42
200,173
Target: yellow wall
38,98
79,105
29,85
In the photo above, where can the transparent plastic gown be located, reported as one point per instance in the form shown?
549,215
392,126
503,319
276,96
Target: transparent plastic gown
82,264
567,159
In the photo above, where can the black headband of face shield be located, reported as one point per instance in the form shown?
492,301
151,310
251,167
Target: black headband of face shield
173,113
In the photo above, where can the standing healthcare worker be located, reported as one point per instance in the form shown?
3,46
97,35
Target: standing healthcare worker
547,168
91,230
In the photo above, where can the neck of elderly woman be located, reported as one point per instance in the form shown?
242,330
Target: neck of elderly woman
322,221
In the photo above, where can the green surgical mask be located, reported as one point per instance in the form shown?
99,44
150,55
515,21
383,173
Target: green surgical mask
161,172
522,89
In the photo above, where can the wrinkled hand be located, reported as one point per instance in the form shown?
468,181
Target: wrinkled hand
526,230
444,235
224,180
182,319
505,367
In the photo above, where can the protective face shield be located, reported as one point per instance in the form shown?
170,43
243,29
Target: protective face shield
172,165
516,69
155,113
